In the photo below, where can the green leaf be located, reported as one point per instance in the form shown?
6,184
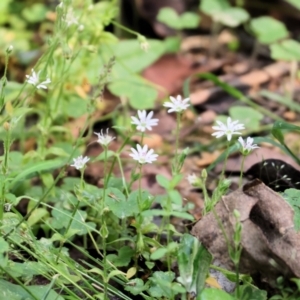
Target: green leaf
214,294
268,30
248,116
35,13
163,181
16,292
292,196
119,205
37,167
210,7
123,258
189,20
288,50
74,106
250,292
278,126
296,3
134,88
159,253
162,285
4,247
37,215
136,286
169,16
232,16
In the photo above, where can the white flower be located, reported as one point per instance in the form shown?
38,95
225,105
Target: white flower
193,179
70,18
34,79
247,146
144,121
79,162
104,139
9,49
177,104
229,129
142,155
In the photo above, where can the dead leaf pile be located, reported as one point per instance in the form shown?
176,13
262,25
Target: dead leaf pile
271,246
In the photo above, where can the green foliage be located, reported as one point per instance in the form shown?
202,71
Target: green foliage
214,294
222,12
292,196
193,263
288,50
16,292
268,30
296,3
277,132
170,17
250,117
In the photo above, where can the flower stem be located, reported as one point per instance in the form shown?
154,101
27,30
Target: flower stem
242,171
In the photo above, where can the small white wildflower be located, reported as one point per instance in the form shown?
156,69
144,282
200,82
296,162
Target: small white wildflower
247,146
79,162
70,18
143,155
144,121
177,104
231,128
80,28
104,139
34,79
193,179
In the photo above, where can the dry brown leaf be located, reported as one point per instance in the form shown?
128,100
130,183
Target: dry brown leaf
271,246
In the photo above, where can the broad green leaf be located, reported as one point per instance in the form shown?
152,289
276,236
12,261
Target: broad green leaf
210,7
288,50
248,116
232,16
119,205
249,292
123,258
189,20
136,286
214,294
169,16
296,3
159,253
37,167
268,30
3,246
292,196
37,215
163,286
141,94
163,181
35,13
16,292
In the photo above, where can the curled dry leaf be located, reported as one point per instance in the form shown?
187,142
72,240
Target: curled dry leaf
271,246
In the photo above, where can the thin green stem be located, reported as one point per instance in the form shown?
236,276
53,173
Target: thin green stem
175,164
242,171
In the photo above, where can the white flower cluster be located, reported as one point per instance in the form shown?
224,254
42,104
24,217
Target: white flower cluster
143,122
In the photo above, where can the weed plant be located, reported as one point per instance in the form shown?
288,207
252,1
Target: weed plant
63,238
